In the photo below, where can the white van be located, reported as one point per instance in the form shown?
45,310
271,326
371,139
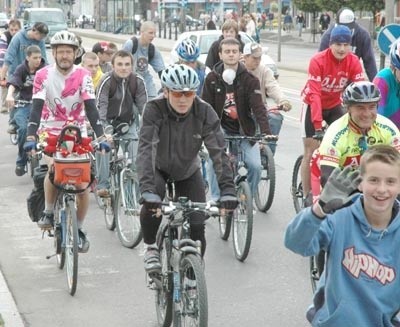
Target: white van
54,18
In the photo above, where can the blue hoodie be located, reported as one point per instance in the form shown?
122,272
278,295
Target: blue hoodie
16,55
361,286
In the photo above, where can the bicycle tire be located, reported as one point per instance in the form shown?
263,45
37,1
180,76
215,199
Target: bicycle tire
163,298
110,206
297,187
242,228
317,263
225,225
14,138
128,217
71,247
33,162
266,186
99,200
60,250
194,302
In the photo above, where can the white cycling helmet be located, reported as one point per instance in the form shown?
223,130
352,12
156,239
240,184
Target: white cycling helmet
180,78
64,38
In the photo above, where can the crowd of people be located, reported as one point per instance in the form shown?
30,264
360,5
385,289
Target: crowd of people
353,210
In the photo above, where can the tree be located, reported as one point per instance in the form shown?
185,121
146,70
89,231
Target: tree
308,5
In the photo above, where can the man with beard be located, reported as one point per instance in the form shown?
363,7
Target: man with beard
63,93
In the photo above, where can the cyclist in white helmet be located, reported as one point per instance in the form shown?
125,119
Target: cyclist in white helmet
174,128
62,93
188,52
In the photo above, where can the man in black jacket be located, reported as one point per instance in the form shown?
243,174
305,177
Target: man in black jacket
173,130
235,95
360,41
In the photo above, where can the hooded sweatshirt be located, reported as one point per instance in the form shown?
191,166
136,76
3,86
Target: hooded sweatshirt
360,285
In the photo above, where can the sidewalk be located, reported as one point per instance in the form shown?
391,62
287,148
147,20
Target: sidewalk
9,315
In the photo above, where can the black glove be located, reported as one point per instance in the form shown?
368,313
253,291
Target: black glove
29,146
228,202
339,188
150,200
319,134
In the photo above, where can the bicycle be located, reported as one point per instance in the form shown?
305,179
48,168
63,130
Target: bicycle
181,290
122,207
241,220
317,262
67,174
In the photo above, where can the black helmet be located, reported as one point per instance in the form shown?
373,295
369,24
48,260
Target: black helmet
361,92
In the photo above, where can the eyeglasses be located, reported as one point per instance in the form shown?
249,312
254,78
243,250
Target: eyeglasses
362,144
177,94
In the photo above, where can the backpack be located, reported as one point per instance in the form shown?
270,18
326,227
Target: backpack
132,84
35,200
135,44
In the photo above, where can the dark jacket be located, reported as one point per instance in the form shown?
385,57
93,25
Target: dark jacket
170,144
22,80
122,104
213,54
248,98
361,46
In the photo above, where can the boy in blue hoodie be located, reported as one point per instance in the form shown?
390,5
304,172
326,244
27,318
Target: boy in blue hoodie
360,285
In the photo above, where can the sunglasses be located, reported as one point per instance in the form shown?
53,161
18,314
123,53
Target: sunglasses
362,144
187,94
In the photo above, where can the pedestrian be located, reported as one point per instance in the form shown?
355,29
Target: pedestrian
288,23
360,234
210,23
361,42
105,50
324,21
146,55
300,22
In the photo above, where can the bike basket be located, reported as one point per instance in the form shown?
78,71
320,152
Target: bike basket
73,169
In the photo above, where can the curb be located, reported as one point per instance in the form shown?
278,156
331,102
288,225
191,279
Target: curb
9,315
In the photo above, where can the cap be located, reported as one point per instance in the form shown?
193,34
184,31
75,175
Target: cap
340,34
345,16
103,46
253,49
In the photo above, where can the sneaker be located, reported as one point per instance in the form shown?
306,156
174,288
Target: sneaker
20,170
46,221
12,129
84,243
103,193
152,260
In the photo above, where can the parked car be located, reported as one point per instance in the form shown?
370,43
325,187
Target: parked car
190,21
3,20
85,21
204,39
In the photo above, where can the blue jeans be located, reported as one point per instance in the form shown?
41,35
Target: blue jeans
103,159
252,159
275,124
21,117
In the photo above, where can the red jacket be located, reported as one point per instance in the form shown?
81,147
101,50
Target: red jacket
327,78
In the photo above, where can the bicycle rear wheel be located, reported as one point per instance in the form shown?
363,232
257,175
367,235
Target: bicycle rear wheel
297,187
128,219
266,186
194,302
71,247
163,296
243,222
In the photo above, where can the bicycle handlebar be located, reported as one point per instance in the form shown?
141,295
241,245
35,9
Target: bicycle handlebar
252,138
210,207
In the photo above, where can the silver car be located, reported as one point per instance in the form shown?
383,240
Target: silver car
3,20
204,39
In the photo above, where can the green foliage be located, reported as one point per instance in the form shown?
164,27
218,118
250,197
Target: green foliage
274,7
334,5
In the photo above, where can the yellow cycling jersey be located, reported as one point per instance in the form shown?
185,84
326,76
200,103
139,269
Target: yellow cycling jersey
344,143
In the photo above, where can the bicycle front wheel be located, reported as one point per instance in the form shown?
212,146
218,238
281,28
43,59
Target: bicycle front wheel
58,234
266,186
225,223
243,222
297,186
110,206
164,292
194,306
71,247
14,138
128,219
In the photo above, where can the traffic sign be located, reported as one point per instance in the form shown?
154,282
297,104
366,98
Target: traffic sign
387,35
